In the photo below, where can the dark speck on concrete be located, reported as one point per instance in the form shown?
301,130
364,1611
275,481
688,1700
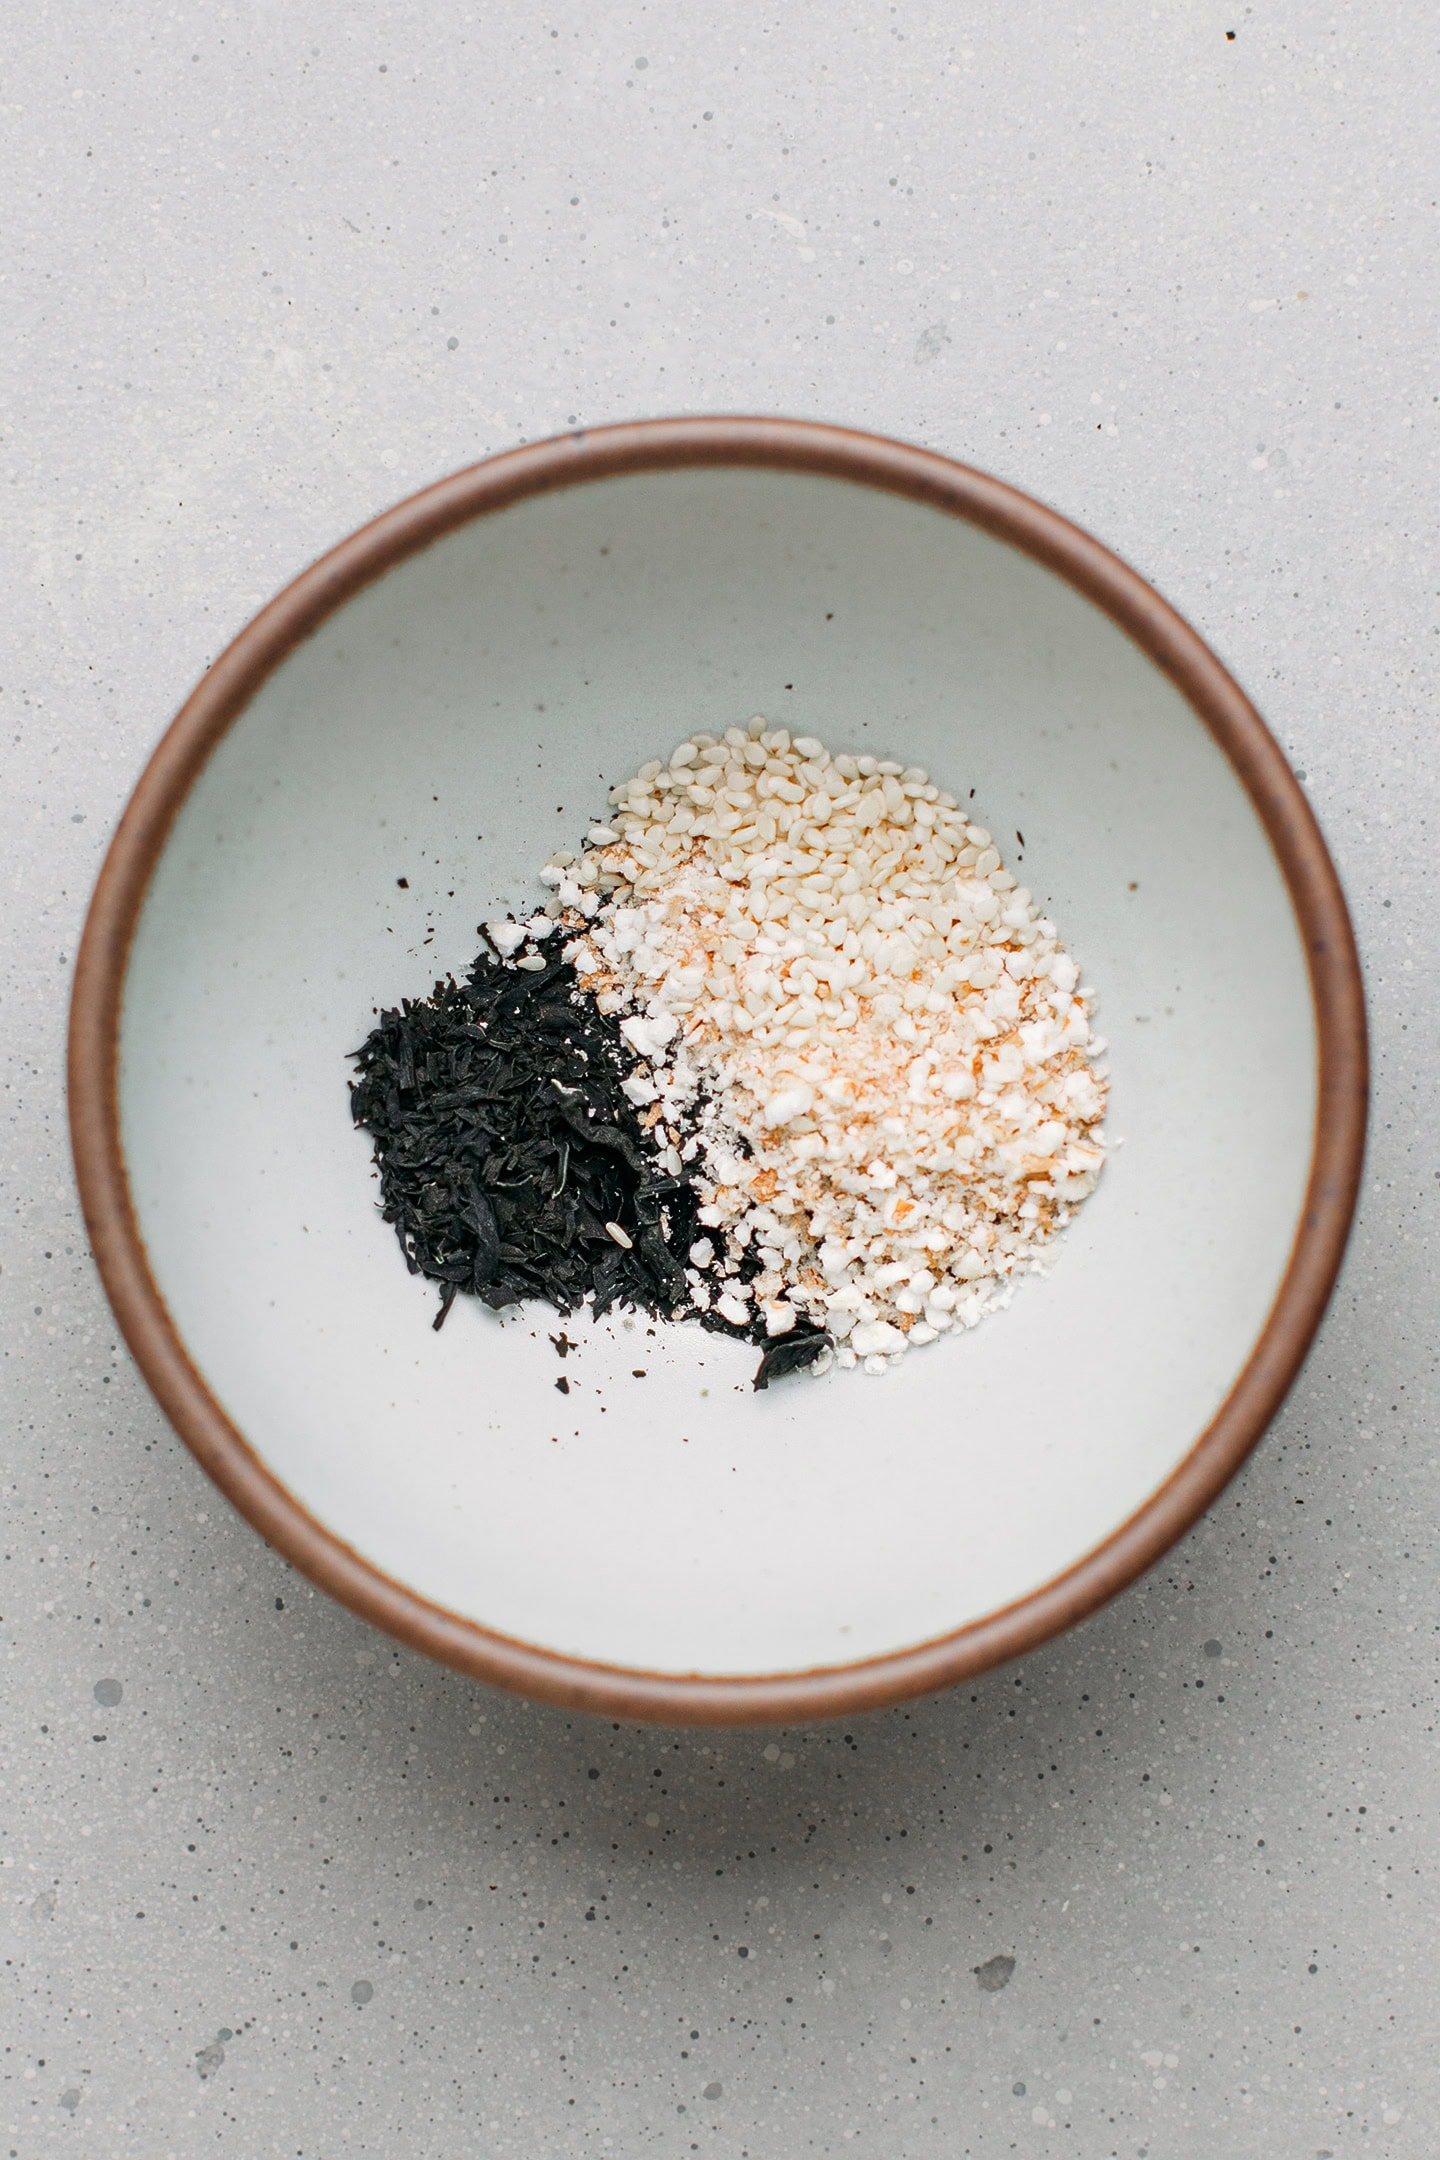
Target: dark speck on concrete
208,2059
931,343
108,1693
361,1992
1018,2088
1212,1648
713,2090
70,2098
451,343
994,1974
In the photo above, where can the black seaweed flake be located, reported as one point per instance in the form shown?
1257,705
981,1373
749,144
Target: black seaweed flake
506,1147
794,1352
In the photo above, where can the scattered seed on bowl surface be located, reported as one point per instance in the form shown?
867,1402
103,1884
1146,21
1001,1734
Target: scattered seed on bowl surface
790,1053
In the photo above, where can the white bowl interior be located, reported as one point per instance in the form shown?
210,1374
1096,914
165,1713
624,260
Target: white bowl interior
452,725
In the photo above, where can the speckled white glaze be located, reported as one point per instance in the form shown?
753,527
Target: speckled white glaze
451,726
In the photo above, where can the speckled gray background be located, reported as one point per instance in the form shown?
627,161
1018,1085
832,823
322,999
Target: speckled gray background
271,1888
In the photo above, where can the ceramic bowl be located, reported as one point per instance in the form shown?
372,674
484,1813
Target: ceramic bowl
442,701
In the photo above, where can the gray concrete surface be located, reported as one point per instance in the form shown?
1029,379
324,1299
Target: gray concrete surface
1167,1891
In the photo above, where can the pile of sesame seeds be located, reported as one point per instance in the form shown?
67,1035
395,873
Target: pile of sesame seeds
854,1035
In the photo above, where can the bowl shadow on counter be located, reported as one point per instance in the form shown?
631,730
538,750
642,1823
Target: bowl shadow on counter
1055,1738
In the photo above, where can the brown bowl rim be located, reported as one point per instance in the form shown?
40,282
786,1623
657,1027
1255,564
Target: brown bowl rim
923,476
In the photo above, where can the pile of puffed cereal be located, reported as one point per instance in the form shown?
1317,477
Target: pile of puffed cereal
855,1033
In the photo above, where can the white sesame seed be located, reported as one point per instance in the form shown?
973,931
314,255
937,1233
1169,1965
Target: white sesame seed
621,1237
